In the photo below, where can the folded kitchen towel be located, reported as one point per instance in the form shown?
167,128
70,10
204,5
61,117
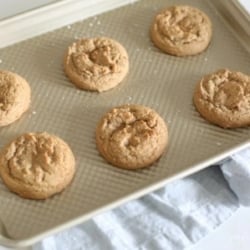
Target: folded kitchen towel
174,217
237,172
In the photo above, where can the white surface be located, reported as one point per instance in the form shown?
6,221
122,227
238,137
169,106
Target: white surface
246,4
48,17
12,7
234,233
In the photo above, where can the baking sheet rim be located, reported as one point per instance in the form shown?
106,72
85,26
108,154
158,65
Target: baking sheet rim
140,192
135,195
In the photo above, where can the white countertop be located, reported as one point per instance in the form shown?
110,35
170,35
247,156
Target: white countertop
246,4
231,235
234,233
12,7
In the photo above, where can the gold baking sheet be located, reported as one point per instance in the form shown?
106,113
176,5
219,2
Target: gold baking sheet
162,82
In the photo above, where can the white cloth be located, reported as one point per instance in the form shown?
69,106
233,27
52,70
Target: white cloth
237,172
173,217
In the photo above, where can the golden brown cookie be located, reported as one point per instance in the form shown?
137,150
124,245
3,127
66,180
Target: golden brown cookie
14,97
181,30
223,98
37,165
96,64
131,136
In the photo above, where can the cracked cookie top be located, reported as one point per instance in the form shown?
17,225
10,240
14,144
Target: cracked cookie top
181,30
131,136
223,98
37,165
96,64
14,97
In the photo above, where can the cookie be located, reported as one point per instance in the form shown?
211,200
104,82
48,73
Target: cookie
223,98
14,97
181,30
37,165
96,64
131,136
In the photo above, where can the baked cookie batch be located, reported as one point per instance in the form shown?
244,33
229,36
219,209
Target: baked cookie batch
39,165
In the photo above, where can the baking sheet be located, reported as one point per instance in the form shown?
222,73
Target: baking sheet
162,82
